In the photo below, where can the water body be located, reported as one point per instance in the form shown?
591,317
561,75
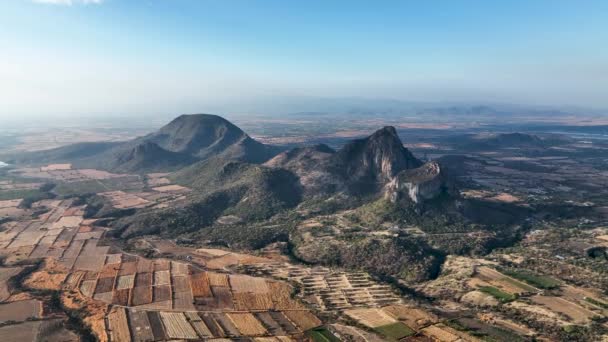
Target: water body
3,164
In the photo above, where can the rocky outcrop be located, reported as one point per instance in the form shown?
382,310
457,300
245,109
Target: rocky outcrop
419,184
362,166
378,157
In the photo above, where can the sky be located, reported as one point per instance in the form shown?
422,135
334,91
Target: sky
134,57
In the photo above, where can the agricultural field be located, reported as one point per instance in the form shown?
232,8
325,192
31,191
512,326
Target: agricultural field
158,298
328,290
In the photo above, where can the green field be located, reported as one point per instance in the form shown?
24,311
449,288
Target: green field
541,282
322,335
395,331
503,297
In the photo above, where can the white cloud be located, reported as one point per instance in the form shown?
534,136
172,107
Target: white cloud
68,2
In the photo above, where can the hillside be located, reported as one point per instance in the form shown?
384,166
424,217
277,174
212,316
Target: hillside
184,141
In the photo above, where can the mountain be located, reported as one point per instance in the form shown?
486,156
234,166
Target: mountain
361,166
491,141
150,157
204,135
377,158
184,141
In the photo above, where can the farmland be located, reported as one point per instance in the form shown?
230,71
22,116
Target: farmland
162,298
164,289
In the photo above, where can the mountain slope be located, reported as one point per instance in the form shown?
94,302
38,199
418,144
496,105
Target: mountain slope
150,157
220,187
184,141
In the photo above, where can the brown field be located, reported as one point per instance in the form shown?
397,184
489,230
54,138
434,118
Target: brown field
183,301
440,332
247,324
157,326
144,265
162,293
104,285
56,167
199,283
213,252
121,297
252,301
177,327
140,325
67,222
274,328
305,320
231,259
21,310
578,314
143,279
226,324
280,294
179,269
223,297
165,306
128,268
125,282
197,323
158,181
141,295
170,188
162,265
119,328
180,284
5,275
284,322
10,203
244,283
212,324
162,278
26,331
218,279
104,296
370,317
123,200
87,287
109,270
415,318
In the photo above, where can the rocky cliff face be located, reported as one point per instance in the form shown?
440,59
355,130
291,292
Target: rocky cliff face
378,157
419,184
362,166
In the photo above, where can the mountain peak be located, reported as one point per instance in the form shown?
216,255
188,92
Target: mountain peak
386,131
377,158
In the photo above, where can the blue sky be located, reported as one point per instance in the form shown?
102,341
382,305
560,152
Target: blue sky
79,57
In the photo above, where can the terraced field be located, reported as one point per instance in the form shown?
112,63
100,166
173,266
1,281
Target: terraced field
147,299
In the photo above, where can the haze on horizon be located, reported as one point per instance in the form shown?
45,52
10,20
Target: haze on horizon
112,57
